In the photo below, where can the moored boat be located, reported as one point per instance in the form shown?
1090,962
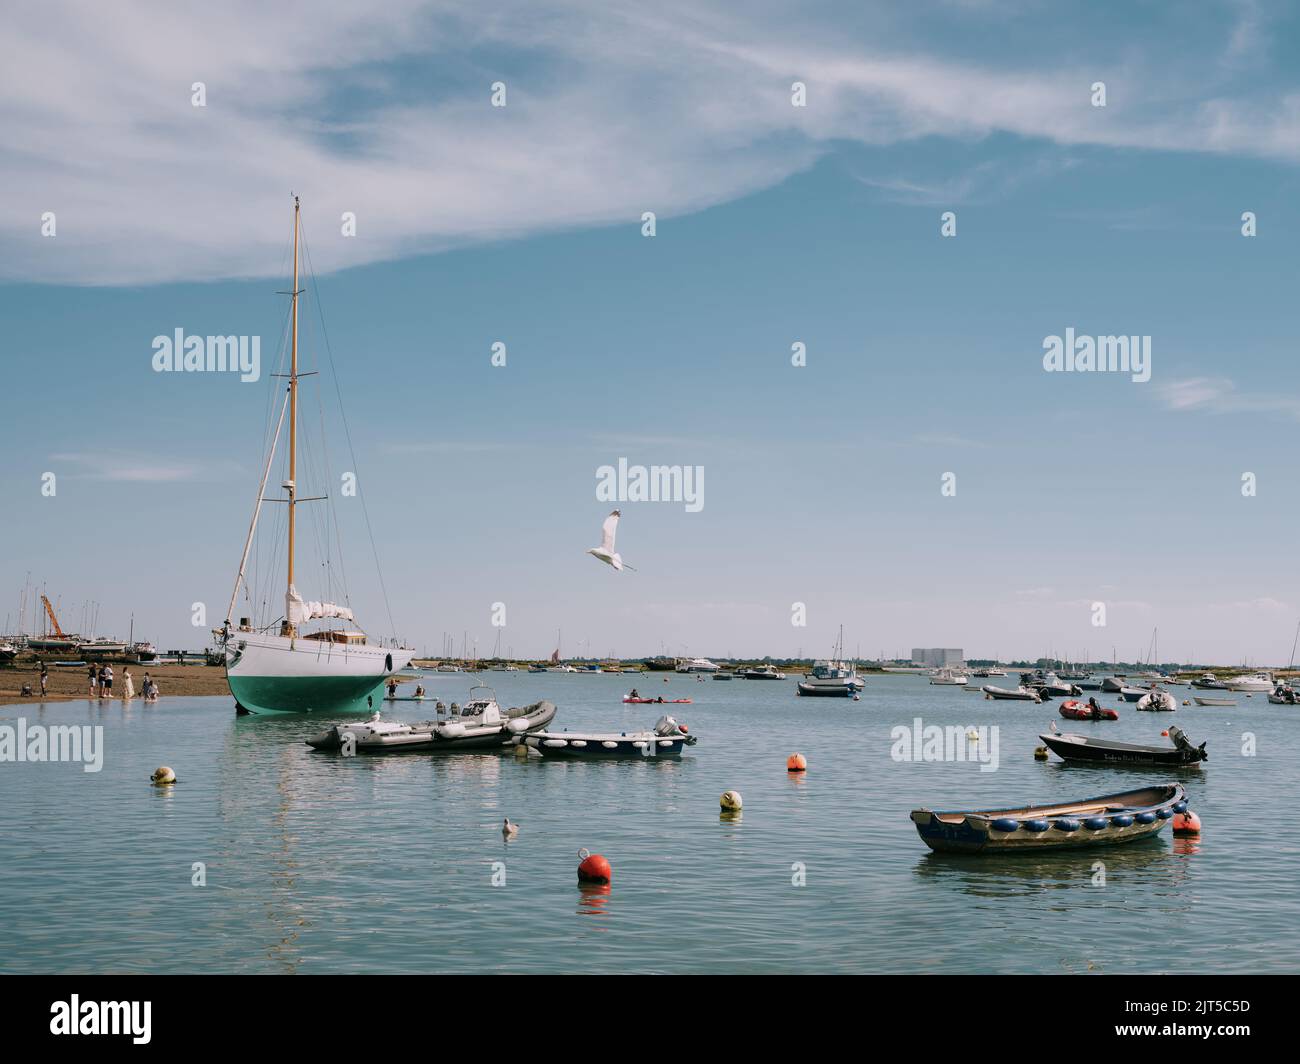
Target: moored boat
763,672
479,724
636,700
1201,700
1075,710
1284,695
1251,682
1020,694
1105,820
1157,702
1086,748
667,739
948,677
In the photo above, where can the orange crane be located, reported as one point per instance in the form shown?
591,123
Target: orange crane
53,620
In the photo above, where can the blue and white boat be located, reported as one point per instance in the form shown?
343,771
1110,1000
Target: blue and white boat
1109,819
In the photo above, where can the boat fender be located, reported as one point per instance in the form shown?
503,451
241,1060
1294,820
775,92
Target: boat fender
517,725
556,742
450,731
609,744
1146,817
1096,823
162,776
1036,825
594,868
1123,820
1187,823
665,742
1005,823
1067,823
731,801
579,743
1164,814
1179,807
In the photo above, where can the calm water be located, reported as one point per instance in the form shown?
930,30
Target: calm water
317,863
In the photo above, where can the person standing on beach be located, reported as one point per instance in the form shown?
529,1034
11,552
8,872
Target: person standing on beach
128,685
108,682
45,679
94,682
101,681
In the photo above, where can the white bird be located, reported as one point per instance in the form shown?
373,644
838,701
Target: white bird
605,552
509,830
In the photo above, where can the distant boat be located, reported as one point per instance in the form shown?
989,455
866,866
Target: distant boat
1020,694
1259,681
1203,701
281,667
829,679
948,677
1284,695
697,665
1207,681
763,672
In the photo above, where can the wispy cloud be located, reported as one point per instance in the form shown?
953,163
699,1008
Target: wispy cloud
613,109
1219,395
128,467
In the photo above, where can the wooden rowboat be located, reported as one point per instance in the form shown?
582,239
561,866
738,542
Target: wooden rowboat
1109,819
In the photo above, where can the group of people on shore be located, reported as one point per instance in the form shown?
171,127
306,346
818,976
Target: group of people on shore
101,683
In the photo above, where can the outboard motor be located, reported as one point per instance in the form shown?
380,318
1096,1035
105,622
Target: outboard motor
666,726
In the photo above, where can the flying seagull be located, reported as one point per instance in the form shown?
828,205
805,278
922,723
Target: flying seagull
605,552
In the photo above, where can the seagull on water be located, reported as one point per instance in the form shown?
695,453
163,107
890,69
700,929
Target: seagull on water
509,830
605,552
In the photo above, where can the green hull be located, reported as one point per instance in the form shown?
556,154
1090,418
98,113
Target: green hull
307,694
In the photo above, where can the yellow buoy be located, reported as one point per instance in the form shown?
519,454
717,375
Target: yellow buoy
162,776
1040,753
730,801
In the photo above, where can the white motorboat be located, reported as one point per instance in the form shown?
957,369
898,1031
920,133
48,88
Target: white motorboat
763,672
697,665
948,677
1020,694
1157,701
1252,682
1207,681
479,724
830,679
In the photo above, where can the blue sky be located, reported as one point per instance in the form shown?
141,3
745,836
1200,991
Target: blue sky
775,225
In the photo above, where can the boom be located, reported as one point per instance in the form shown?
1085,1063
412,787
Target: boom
53,620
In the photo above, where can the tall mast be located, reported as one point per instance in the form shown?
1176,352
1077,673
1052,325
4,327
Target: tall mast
291,483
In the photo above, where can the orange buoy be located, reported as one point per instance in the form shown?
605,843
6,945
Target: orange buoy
1165,734
1187,823
796,763
594,868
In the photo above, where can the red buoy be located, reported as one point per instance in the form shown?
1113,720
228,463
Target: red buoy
594,869
1187,823
796,763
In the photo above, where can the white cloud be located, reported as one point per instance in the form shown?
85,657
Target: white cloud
1219,395
613,110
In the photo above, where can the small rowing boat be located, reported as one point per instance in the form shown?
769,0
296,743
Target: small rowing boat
1085,748
1203,701
1107,820
1076,710
656,701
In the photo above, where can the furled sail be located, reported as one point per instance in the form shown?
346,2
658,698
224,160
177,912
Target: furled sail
297,611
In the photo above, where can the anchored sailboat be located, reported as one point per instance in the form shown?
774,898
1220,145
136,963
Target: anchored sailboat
279,668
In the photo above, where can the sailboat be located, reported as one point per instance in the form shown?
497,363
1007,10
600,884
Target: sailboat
280,668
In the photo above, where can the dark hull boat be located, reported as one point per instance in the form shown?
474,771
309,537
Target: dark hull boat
1107,820
1085,748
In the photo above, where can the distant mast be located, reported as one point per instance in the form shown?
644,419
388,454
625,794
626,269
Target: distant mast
290,484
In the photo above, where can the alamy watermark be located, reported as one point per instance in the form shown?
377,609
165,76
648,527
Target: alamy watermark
1098,354
638,483
934,742
82,743
208,354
